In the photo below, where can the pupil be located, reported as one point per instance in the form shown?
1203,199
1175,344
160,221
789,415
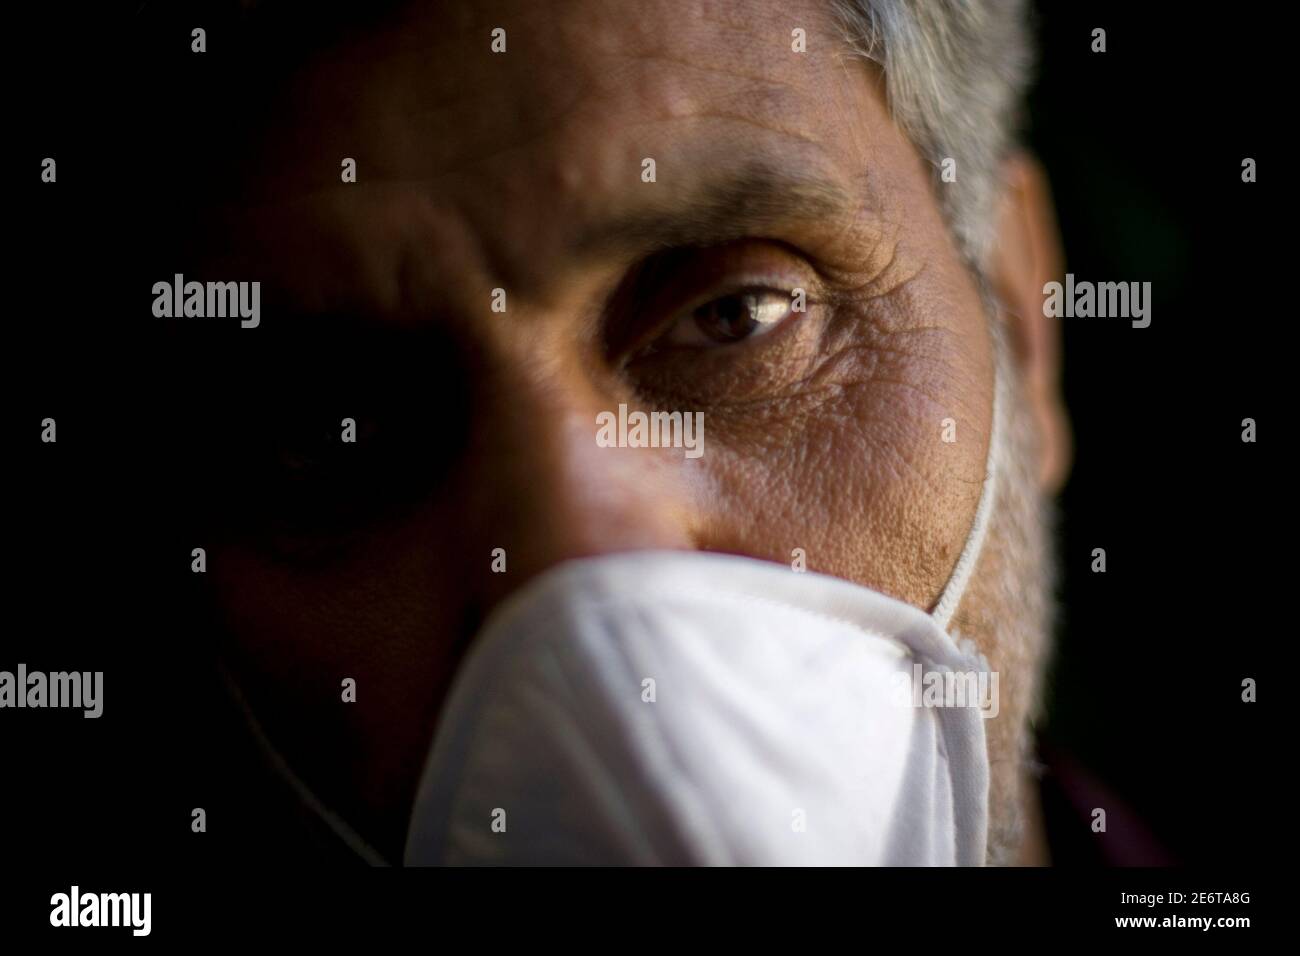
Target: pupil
727,320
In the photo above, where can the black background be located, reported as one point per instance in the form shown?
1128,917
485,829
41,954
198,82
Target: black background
1144,147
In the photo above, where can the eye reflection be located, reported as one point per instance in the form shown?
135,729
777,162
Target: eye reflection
730,319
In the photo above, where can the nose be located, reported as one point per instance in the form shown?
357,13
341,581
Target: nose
538,486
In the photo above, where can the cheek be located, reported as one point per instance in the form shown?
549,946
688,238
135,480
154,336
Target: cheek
300,631
294,636
857,471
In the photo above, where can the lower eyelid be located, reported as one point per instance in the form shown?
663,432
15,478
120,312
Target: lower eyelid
740,378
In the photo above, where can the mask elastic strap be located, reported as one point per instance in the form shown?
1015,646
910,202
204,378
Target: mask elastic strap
956,586
350,838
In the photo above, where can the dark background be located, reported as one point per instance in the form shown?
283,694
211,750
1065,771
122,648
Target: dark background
1143,145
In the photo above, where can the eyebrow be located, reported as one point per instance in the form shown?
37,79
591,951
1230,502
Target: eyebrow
760,199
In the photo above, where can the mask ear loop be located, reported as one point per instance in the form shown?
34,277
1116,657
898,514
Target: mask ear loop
350,838
946,606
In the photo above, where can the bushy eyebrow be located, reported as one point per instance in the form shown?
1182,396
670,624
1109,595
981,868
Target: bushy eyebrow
760,200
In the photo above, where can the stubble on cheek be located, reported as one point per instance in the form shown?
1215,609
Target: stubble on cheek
292,635
1008,613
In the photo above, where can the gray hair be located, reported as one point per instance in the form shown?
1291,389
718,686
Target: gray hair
955,74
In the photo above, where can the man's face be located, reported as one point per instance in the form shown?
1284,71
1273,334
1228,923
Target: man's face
523,171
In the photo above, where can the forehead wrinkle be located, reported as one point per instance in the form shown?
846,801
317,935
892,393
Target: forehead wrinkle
763,125
759,197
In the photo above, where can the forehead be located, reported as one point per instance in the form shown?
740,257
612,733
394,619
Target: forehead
583,93
569,63
521,152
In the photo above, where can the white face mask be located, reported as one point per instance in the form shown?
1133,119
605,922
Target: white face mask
693,708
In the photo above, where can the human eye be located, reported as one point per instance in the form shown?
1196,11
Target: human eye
729,319
716,300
